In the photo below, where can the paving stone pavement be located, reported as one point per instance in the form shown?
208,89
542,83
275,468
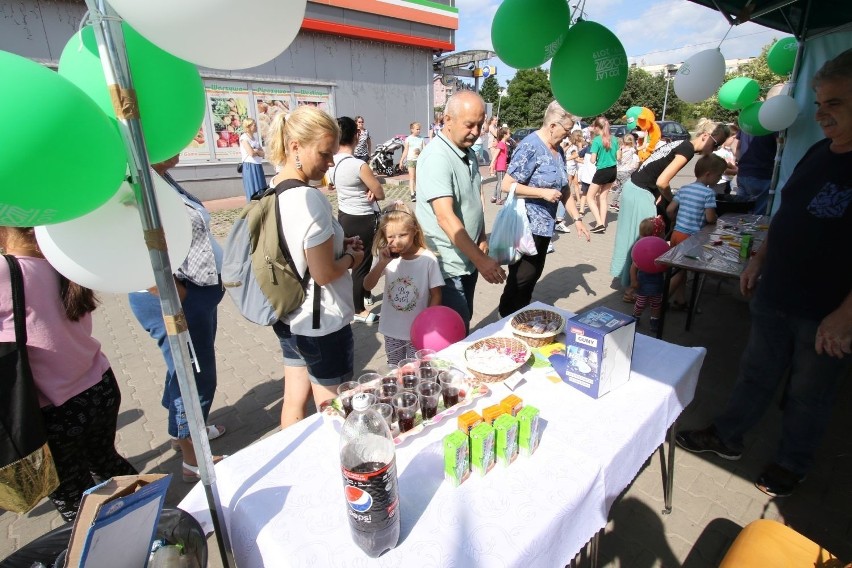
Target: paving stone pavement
713,498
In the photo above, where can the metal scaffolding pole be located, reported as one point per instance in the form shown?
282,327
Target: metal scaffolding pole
110,39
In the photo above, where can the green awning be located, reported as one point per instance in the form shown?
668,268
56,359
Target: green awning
804,19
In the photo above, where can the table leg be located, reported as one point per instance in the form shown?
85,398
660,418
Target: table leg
667,468
664,308
697,285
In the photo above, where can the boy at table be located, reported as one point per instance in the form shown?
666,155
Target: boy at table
692,206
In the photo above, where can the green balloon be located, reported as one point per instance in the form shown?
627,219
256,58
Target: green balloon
749,121
169,90
65,160
782,56
738,93
527,33
589,72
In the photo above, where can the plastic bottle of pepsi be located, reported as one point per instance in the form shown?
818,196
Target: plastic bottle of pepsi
371,490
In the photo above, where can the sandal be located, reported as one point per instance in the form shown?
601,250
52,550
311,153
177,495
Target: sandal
191,474
213,431
599,229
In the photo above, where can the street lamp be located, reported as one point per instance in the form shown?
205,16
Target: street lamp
671,71
500,94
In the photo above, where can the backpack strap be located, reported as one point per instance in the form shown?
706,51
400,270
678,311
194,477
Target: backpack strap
285,250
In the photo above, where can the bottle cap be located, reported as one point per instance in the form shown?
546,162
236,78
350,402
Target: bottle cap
361,401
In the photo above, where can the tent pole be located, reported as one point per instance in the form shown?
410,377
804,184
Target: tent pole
782,137
111,47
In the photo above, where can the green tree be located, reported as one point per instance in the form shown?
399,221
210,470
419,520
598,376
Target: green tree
528,94
490,90
645,90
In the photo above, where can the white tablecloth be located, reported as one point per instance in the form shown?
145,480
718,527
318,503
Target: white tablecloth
283,499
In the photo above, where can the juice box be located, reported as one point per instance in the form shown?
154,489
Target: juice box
512,404
482,448
468,421
490,413
745,247
529,432
456,458
506,434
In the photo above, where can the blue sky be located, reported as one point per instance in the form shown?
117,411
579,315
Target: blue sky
652,31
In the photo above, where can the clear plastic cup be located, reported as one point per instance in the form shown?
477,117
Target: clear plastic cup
452,383
388,370
387,391
345,392
386,411
406,404
425,354
408,367
370,383
429,393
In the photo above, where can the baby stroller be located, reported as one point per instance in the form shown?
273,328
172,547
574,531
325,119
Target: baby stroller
382,159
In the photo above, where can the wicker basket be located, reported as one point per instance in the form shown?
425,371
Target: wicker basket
537,339
514,345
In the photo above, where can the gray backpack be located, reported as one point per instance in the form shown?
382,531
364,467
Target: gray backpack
257,269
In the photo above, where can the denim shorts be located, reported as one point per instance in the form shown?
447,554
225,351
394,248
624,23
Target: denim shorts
329,358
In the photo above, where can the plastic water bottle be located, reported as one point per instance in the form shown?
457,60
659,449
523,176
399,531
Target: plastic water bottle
371,489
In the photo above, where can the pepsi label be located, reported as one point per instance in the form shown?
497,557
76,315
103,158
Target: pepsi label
372,495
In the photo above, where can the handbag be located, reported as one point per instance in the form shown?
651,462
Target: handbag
27,471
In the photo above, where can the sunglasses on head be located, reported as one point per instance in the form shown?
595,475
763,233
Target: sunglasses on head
716,143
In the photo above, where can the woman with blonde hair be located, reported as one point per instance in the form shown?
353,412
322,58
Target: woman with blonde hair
648,191
316,340
605,154
254,180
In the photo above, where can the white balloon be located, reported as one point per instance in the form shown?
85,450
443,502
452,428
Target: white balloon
105,249
700,76
778,113
193,29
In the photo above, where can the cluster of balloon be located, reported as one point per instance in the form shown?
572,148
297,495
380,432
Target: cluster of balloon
91,229
594,57
700,76
542,24
643,118
82,146
777,112
645,252
437,327
120,263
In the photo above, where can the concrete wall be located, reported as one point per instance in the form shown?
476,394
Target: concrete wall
389,84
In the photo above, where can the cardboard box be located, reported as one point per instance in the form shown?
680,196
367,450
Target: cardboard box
598,350
117,522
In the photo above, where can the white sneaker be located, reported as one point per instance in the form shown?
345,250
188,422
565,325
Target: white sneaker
561,227
550,248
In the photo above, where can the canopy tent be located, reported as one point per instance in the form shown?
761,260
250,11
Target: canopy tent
822,28
805,19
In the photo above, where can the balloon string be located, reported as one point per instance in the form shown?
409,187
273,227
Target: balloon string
726,35
91,19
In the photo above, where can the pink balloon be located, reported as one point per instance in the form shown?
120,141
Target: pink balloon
436,328
646,250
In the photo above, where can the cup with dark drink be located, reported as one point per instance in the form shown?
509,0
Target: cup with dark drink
386,412
429,393
452,383
345,392
409,382
406,404
386,392
408,367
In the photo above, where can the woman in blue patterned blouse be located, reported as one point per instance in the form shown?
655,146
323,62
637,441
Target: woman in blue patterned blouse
537,173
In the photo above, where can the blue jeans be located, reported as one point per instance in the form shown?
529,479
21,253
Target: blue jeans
458,295
754,188
778,342
200,309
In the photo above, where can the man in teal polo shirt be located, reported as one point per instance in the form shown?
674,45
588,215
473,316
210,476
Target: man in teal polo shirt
449,207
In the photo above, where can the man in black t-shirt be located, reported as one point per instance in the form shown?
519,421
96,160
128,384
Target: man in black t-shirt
802,309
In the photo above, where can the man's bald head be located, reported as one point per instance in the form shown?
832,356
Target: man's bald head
463,118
